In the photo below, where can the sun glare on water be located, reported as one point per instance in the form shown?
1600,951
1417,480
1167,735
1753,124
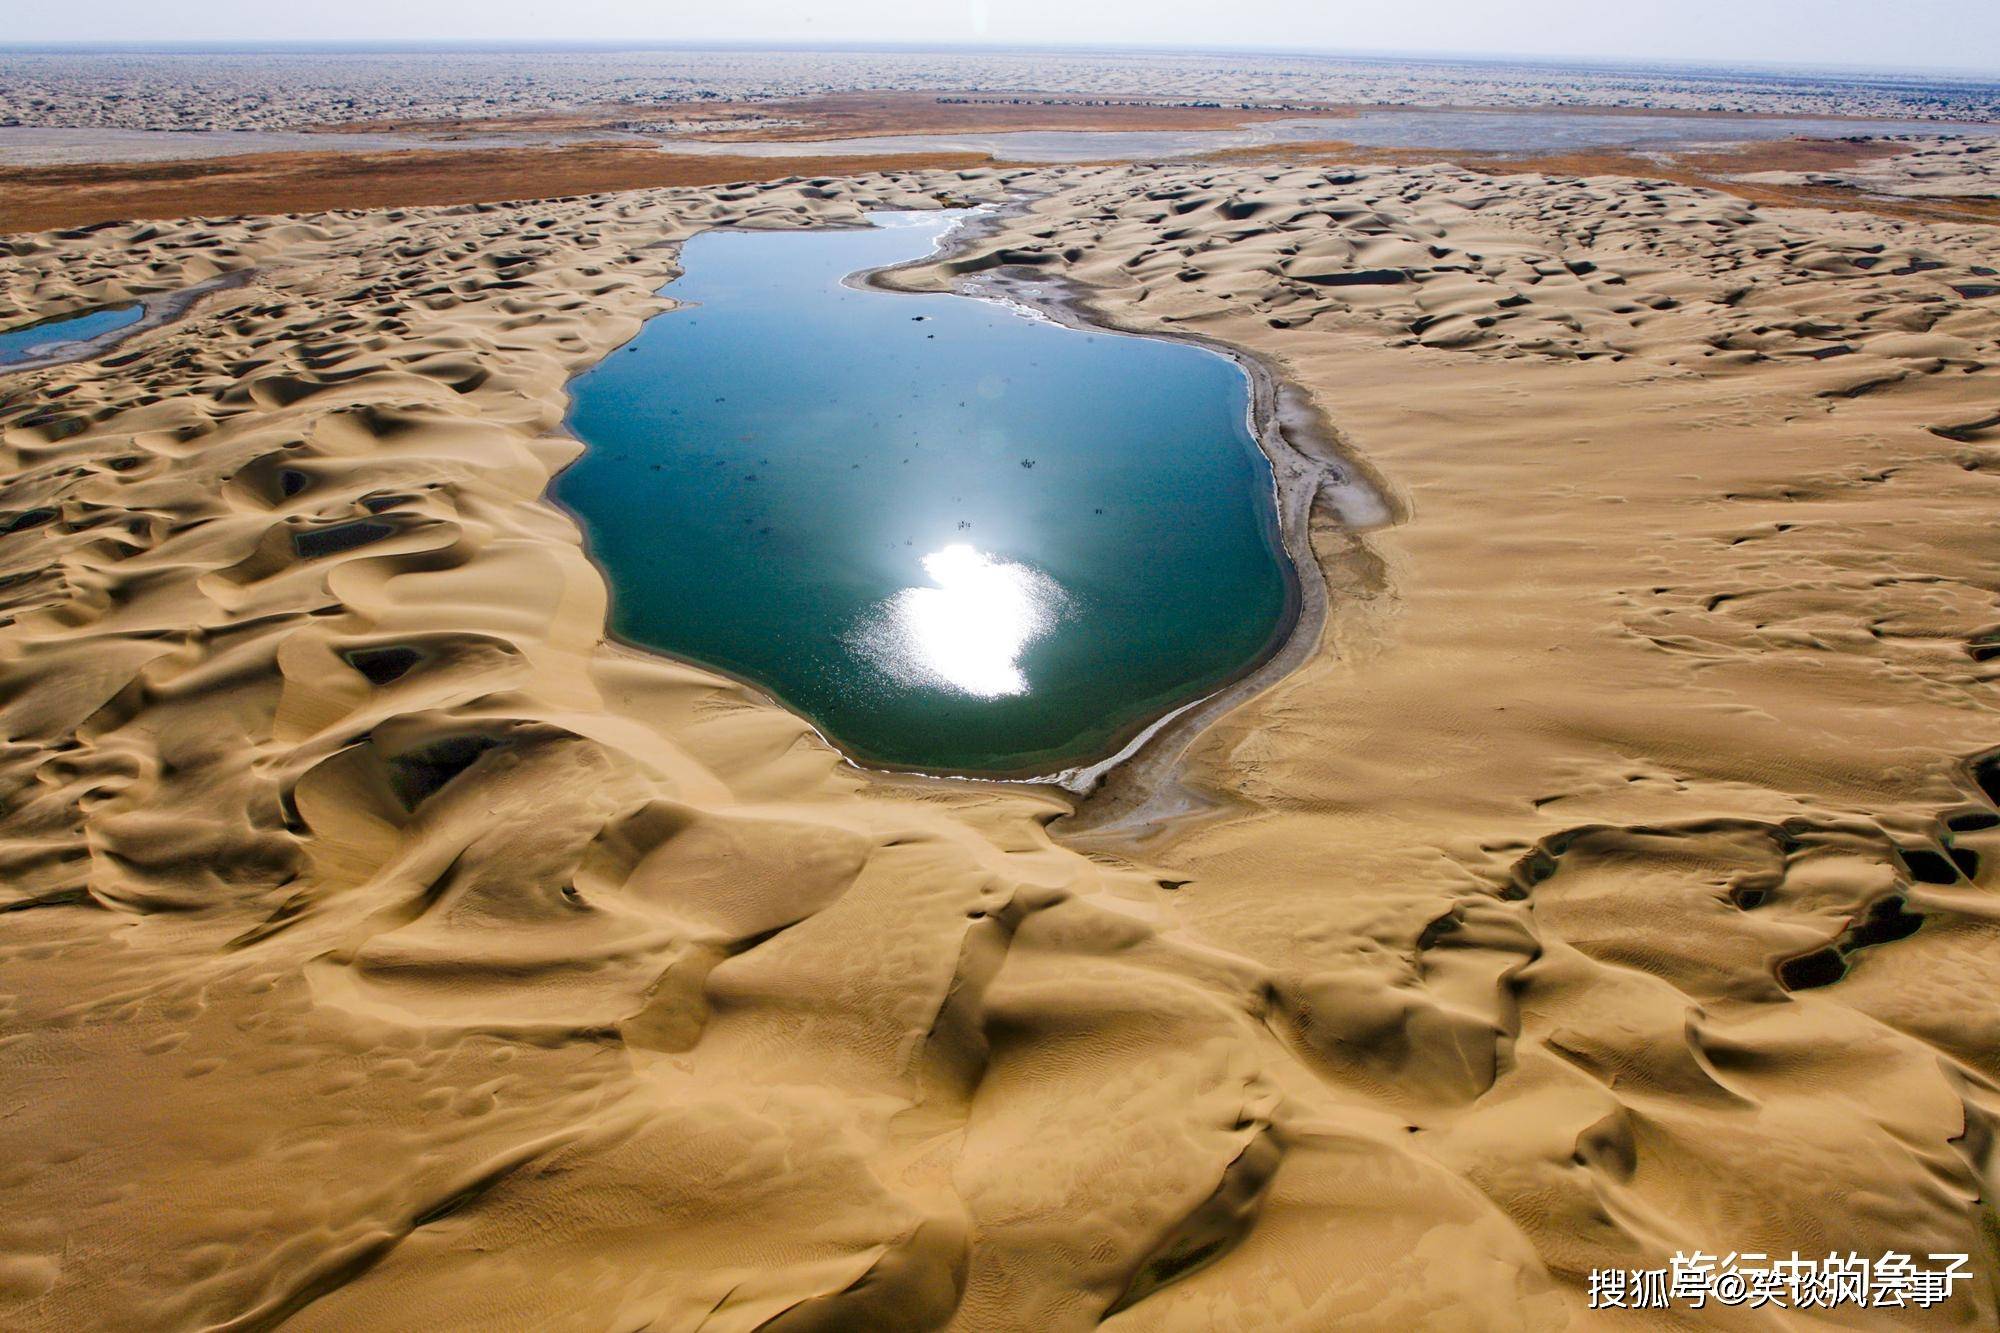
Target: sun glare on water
966,633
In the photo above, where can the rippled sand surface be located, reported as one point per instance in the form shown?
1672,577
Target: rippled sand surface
381,949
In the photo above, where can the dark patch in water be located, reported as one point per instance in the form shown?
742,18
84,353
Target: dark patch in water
417,775
313,543
1884,921
383,665
1929,867
27,518
1821,967
1366,277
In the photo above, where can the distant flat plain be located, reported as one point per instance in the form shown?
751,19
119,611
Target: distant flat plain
87,137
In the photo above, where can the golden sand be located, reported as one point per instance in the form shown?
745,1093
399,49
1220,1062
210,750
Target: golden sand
382,949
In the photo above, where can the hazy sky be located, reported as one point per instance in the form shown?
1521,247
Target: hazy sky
1962,34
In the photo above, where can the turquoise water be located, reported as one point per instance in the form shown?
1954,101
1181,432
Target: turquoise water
35,341
955,536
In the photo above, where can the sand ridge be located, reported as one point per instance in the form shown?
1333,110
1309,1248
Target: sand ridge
381,948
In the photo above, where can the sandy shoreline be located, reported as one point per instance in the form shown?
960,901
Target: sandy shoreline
1135,786
1296,483
384,947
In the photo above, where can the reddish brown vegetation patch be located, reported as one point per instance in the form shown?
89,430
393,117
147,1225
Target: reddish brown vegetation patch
42,198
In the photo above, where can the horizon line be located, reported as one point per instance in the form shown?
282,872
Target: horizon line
420,45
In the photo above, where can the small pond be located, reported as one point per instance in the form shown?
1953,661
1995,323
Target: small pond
955,535
52,337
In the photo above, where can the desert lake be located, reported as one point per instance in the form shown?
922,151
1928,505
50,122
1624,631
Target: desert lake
47,337
956,535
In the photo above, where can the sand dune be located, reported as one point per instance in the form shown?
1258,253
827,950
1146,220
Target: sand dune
1927,168
383,949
